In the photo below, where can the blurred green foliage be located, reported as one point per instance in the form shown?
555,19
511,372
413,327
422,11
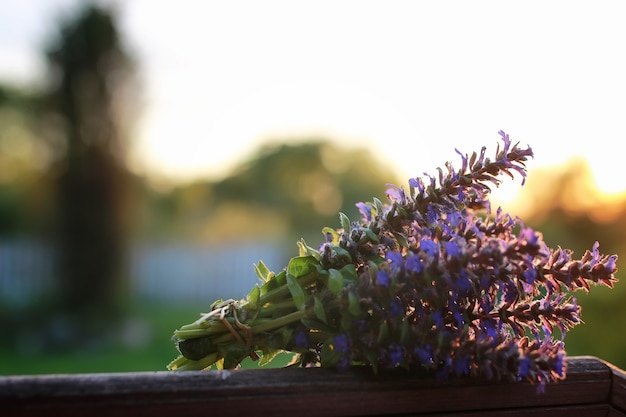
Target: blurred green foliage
284,192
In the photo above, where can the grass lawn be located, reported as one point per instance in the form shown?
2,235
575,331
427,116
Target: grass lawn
153,354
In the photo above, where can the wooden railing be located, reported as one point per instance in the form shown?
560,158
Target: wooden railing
592,388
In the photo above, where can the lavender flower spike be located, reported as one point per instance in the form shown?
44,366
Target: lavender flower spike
430,280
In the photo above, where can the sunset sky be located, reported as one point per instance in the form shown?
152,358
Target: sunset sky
410,80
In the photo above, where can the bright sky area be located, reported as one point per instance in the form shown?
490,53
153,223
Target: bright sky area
411,80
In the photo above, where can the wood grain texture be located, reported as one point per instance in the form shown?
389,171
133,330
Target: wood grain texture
592,388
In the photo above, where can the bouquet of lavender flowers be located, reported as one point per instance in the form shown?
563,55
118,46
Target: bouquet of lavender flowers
430,280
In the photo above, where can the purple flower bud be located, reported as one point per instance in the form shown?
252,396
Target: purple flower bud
524,366
423,355
396,354
413,263
452,248
366,212
430,247
395,309
301,341
395,260
395,193
383,278
342,343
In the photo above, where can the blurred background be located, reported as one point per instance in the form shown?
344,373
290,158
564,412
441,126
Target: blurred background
151,153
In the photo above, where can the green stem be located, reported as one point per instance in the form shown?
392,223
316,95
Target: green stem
282,292
192,333
281,321
183,364
270,309
268,325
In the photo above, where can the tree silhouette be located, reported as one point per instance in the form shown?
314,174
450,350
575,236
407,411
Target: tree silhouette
307,184
89,72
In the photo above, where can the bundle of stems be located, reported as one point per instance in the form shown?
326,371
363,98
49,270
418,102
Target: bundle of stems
430,280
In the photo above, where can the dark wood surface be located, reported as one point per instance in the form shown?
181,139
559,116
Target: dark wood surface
592,388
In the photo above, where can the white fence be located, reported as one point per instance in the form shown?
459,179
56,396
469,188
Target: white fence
171,273
26,271
180,273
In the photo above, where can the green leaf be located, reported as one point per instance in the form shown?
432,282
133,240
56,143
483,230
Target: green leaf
401,239
301,265
233,354
353,304
280,279
272,284
372,358
373,269
263,272
196,348
405,331
349,272
279,338
345,222
383,333
335,281
268,354
328,355
371,235
318,307
316,324
342,254
297,293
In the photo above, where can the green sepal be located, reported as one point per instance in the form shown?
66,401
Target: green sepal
296,291
306,250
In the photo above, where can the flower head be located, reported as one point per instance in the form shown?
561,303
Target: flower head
432,280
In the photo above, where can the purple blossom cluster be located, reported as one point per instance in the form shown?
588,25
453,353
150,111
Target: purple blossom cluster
443,284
